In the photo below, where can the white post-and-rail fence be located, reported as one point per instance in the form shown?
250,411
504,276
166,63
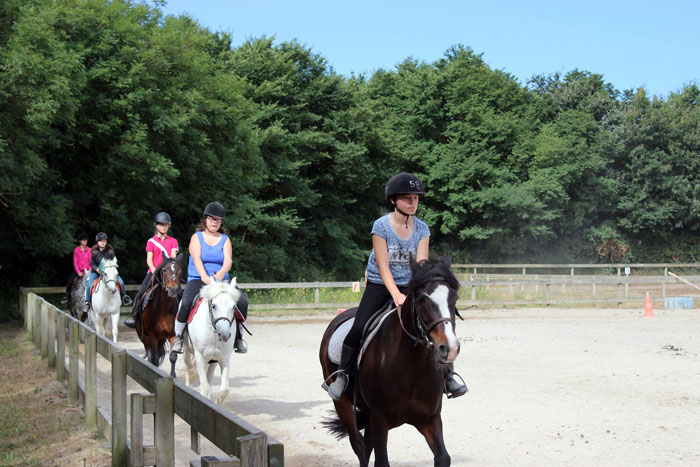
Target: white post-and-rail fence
592,289
48,327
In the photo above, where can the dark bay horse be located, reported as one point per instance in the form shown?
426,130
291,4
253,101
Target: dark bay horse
159,303
402,371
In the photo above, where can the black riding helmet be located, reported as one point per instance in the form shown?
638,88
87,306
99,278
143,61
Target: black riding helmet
214,209
162,218
82,236
403,183
100,236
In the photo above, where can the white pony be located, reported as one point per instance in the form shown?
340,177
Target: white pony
209,336
106,300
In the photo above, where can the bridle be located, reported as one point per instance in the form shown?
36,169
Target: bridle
221,318
423,329
105,279
159,277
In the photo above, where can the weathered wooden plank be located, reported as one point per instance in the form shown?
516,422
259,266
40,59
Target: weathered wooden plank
90,381
119,407
73,362
165,422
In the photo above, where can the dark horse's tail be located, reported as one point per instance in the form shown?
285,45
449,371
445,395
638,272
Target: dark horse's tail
338,428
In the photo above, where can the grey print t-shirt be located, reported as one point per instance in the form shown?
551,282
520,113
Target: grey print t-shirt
399,250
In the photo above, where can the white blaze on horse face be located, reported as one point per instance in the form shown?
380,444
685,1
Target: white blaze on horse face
440,296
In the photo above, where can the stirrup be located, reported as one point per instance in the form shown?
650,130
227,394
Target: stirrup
327,386
459,392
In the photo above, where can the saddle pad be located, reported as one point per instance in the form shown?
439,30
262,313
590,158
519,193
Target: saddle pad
335,345
194,309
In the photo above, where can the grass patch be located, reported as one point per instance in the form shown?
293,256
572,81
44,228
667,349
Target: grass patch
38,426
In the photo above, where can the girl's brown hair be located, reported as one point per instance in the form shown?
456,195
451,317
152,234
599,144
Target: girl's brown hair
203,225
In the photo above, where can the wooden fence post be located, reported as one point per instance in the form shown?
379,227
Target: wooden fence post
44,325
252,450
91,381
546,294
119,407
140,454
165,422
61,348
619,294
73,362
36,308
51,324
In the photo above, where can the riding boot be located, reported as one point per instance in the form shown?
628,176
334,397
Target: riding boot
239,344
131,320
177,342
345,369
453,387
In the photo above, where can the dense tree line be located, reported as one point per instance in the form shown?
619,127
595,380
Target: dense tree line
112,112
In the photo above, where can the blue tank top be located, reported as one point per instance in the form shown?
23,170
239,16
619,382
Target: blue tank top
212,258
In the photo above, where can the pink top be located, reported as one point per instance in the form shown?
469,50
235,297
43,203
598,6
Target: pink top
81,259
169,243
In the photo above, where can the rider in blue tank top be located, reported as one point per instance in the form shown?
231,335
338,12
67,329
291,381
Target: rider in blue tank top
212,258
208,262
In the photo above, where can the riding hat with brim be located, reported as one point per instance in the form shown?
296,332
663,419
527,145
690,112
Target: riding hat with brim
214,209
162,218
100,236
403,184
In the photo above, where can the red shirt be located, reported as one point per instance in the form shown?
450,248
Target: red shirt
81,259
169,243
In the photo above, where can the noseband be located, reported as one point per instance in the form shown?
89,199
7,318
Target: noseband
419,323
222,318
159,279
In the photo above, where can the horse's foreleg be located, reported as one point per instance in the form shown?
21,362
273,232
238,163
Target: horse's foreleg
99,324
173,361
359,444
379,433
432,431
202,370
224,365
115,326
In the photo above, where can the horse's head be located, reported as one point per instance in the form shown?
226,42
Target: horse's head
110,274
432,298
221,298
170,273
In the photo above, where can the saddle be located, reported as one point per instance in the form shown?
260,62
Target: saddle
96,284
335,344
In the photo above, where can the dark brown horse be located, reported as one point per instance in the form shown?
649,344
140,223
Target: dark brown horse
402,371
156,324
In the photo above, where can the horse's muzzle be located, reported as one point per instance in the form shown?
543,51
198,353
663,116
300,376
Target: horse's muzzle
447,353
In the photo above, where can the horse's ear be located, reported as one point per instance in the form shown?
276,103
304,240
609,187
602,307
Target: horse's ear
446,259
233,282
414,264
179,257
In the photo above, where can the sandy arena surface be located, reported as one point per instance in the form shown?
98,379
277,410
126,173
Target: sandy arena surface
547,387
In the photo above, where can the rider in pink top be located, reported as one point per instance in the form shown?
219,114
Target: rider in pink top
158,247
81,262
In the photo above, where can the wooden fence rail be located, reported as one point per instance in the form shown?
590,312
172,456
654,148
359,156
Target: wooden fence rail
46,326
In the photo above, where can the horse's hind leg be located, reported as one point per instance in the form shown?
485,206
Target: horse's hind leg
379,433
346,414
432,431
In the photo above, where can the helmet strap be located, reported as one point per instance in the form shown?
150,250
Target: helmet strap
396,208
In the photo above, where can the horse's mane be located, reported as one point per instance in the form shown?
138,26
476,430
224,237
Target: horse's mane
428,269
111,262
214,288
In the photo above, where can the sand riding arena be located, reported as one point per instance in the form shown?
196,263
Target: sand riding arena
565,387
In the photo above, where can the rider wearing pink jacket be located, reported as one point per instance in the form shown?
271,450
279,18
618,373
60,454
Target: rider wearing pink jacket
81,262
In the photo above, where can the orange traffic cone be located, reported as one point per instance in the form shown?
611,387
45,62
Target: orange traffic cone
648,309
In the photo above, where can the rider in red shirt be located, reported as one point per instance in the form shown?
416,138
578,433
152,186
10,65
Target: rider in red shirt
81,263
158,247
